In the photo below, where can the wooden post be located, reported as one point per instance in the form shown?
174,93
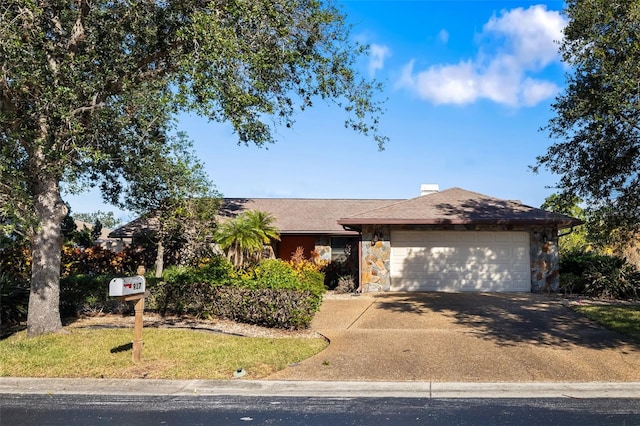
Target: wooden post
137,330
137,325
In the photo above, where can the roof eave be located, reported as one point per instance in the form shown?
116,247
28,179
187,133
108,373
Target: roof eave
316,232
524,222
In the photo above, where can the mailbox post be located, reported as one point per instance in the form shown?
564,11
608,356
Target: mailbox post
129,289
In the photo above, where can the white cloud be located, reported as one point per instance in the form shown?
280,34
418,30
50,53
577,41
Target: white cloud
513,47
455,84
534,91
378,54
443,36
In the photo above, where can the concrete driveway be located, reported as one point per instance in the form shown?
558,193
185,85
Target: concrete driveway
447,337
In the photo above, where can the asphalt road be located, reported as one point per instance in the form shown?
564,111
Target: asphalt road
41,409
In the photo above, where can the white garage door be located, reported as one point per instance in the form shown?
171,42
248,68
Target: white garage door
460,261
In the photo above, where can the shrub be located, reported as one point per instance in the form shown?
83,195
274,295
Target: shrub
14,300
93,260
276,274
611,277
346,284
217,270
180,283
271,294
570,282
15,259
87,294
333,271
599,275
280,308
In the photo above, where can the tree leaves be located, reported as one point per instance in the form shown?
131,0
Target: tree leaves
89,91
245,235
597,121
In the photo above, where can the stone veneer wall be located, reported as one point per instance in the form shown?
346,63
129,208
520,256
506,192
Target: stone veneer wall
545,265
543,254
376,255
323,248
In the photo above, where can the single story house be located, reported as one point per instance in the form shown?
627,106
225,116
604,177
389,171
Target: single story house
451,240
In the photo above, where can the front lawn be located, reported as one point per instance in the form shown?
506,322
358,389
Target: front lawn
167,354
624,319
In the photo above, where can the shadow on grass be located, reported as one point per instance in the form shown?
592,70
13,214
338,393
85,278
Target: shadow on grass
122,348
10,330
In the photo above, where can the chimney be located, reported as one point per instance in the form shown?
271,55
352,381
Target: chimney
429,188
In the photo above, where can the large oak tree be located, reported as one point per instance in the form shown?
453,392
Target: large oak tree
88,88
596,126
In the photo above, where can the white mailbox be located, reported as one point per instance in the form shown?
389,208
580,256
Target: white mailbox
126,286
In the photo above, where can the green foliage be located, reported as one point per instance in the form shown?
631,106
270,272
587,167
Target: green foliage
95,260
216,271
597,118
14,300
612,278
87,294
564,204
313,281
245,236
599,275
577,239
278,308
106,219
274,273
272,294
15,258
176,193
90,93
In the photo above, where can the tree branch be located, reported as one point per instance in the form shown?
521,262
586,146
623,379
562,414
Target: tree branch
88,108
77,32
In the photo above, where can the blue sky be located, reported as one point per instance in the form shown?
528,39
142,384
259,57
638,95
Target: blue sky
469,84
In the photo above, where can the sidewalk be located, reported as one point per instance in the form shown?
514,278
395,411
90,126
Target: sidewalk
318,389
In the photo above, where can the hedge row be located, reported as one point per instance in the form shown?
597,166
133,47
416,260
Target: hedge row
272,294
278,308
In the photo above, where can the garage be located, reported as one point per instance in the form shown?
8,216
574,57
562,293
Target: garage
460,261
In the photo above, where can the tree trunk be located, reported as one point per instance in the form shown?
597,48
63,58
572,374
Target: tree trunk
46,250
159,258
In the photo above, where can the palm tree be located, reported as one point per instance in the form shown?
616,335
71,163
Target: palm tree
245,236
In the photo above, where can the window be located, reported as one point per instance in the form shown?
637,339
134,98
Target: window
342,247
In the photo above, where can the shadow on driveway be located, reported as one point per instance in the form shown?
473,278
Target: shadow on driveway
464,337
509,319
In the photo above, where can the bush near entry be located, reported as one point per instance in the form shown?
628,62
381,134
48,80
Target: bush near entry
272,294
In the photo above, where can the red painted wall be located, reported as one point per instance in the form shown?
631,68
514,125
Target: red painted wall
289,243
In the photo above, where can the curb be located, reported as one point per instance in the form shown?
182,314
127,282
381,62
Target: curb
320,389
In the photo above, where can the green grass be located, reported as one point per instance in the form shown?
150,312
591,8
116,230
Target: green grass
623,319
166,354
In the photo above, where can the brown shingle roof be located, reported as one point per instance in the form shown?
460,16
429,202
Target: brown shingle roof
145,223
293,215
327,216
303,215
457,206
